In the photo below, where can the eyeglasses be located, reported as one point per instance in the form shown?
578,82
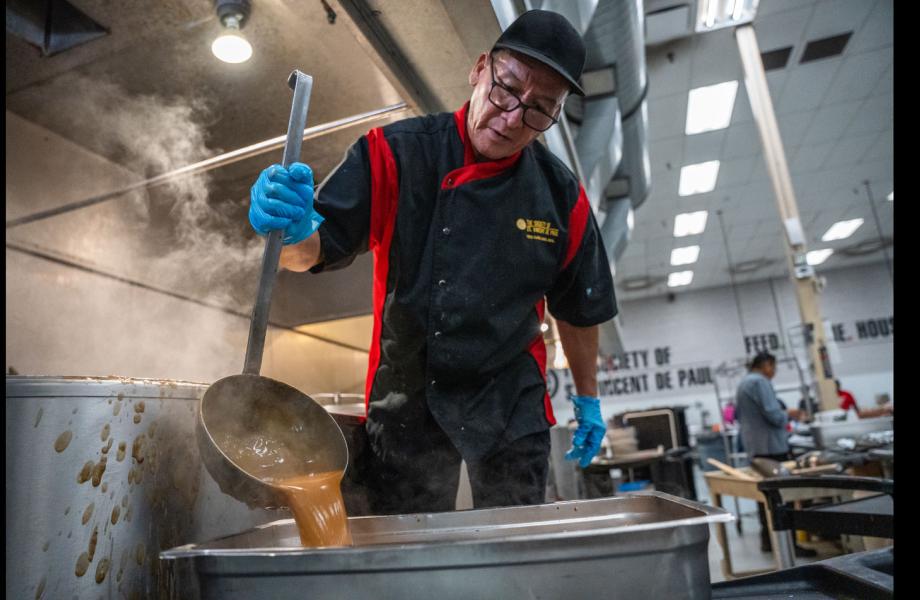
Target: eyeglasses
507,101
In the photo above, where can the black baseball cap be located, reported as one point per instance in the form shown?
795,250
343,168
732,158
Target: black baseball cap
549,38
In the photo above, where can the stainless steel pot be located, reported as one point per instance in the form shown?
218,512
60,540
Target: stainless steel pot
103,474
647,545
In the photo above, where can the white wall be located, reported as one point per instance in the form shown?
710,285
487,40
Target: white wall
64,321
702,329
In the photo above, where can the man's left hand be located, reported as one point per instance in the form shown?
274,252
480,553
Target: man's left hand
591,429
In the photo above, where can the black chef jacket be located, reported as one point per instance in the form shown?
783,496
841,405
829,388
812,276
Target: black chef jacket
466,255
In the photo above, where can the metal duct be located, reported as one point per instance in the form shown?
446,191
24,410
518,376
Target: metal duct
578,12
615,40
53,26
600,144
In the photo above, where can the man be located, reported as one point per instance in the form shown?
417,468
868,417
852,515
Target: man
762,419
475,230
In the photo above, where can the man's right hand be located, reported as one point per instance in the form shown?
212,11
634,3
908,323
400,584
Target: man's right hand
283,199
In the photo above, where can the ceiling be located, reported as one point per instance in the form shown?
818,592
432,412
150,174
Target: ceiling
835,118
151,97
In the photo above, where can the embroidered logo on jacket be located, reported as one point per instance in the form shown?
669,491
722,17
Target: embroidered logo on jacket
538,230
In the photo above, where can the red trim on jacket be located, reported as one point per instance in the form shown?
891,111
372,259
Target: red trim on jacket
384,197
538,351
472,170
578,221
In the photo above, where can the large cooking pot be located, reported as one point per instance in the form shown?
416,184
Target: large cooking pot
647,545
103,474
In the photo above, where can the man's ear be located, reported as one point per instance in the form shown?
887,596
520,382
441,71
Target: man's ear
478,69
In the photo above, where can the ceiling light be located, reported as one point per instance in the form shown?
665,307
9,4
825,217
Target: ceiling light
231,46
891,196
690,223
716,14
631,219
544,327
684,256
699,178
841,230
816,257
680,278
710,108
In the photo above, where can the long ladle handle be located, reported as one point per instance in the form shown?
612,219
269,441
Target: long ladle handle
302,85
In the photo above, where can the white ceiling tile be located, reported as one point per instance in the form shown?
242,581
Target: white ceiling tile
792,128
703,146
735,172
666,151
715,59
833,17
669,69
883,148
776,81
665,183
741,140
742,112
667,116
830,122
806,85
759,172
809,158
877,31
779,30
859,75
876,114
771,7
741,234
850,150
885,85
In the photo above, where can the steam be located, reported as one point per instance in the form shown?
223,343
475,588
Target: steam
175,236
157,135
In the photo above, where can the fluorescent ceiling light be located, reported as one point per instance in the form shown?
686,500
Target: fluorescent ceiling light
891,196
699,178
716,14
630,219
680,278
684,256
816,257
841,230
710,108
690,223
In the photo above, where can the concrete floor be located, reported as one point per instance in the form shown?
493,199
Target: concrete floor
745,546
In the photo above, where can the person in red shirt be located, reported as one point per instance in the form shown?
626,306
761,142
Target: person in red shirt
847,401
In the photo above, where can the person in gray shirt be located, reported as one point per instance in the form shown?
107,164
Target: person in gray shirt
762,418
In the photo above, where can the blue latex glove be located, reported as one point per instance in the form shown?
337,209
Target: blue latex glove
591,429
283,199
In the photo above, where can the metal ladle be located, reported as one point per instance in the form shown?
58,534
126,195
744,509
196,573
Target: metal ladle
240,406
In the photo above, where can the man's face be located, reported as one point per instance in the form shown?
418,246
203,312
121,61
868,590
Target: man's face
496,134
769,370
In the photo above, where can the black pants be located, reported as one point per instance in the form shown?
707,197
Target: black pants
761,509
412,466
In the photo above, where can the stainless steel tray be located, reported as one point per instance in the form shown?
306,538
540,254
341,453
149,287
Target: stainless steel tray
647,544
827,434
